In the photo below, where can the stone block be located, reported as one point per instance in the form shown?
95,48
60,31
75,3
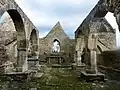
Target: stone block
92,77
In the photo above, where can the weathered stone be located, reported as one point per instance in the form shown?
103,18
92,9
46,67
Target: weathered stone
15,32
19,39
66,44
95,23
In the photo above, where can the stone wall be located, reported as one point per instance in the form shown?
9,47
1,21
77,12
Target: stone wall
106,39
111,59
66,44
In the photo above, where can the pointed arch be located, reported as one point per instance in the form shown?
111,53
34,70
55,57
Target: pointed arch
56,40
21,38
34,39
55,46
19,26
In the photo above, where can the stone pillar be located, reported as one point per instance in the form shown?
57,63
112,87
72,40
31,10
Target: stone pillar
79,58
22,60
79,47
93,57
93,61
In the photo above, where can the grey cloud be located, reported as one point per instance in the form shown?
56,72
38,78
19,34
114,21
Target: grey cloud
60,11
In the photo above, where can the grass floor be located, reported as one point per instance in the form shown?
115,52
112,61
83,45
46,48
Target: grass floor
58,79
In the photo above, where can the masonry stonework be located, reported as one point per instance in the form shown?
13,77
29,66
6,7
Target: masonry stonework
66,44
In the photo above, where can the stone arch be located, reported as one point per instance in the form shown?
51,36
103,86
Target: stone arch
105,7
19,26
33,42
34,38
56,40
21,37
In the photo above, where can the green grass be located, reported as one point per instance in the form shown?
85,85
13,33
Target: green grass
58,79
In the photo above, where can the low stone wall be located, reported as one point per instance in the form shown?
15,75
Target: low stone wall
110,59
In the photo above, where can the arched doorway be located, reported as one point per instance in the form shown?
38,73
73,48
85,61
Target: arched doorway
21,64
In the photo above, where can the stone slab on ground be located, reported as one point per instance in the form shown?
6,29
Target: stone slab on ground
38,75
92,77
61,66
17,76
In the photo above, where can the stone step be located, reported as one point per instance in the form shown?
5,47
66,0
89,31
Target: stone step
61,66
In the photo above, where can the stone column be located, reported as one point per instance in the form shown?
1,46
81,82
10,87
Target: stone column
36,50
79,58
93,61
22,60
60,60
93,57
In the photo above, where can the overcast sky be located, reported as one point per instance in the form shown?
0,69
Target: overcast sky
46,13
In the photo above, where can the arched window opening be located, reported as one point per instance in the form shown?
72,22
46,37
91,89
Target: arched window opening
56,46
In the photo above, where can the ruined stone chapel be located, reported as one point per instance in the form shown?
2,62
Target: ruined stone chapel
21,49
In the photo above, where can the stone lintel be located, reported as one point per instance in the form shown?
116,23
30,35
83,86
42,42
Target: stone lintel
22,49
